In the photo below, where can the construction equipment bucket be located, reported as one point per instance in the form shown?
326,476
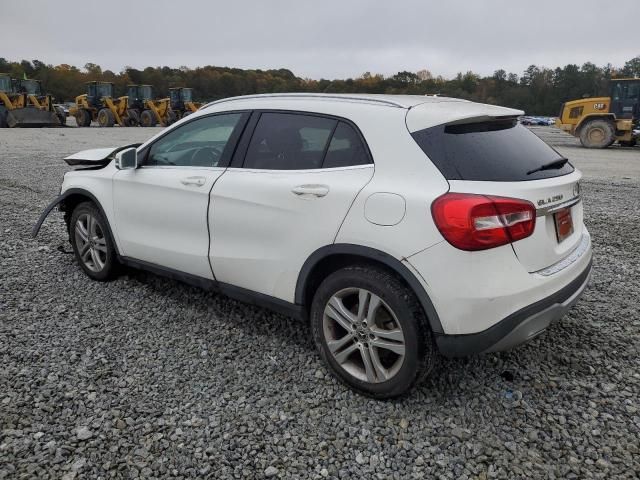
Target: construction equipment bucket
32,117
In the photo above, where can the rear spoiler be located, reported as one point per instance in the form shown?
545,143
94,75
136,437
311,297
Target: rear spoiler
429,115
96,157
484,118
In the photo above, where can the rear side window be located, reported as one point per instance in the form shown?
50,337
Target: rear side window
346,148
284,141
498,151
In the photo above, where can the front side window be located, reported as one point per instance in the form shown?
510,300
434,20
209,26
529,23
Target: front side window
200,143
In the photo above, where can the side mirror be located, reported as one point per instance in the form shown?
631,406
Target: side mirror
127,159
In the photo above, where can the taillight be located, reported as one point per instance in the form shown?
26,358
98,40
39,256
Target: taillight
477,222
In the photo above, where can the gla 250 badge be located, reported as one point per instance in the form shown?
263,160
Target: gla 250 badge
547,201
557,198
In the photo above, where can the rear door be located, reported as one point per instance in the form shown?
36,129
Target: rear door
161,207
501,158
295,179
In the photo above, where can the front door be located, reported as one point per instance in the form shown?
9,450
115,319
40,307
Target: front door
161,207
300,175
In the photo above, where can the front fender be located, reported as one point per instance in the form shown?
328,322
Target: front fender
60,198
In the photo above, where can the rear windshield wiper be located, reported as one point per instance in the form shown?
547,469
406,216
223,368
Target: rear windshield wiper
559,163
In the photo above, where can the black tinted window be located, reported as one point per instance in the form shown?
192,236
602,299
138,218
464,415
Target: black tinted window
200,143
346,148
499,151
287,141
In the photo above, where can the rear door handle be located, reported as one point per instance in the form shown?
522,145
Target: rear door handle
195,181
314,190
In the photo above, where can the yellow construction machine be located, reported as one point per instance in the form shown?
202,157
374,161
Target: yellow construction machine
146,111
601,121
182,101
22,104
99,104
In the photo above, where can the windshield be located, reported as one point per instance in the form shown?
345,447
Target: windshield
186,94
145,92
103,90
32,87
5,83
494,151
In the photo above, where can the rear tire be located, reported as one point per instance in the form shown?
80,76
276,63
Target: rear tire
147,118
380,349
92,243
171,117
133,118
106,118
598,133
3,117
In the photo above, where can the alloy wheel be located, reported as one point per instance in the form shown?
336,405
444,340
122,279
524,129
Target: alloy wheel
90,242
363,335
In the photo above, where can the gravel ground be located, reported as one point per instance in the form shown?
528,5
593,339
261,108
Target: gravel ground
146,377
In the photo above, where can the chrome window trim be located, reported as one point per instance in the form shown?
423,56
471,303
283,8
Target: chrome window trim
303,170
181,167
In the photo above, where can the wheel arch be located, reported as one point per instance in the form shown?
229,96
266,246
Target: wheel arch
595,116
330,258
67,202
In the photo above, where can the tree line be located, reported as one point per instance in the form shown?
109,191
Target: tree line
537,91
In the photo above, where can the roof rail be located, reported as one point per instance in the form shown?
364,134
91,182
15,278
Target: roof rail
347,97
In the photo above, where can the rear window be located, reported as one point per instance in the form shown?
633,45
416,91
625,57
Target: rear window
495,151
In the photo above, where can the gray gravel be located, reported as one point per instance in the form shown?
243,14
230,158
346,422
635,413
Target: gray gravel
146,377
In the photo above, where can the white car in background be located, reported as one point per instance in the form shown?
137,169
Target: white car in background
399,226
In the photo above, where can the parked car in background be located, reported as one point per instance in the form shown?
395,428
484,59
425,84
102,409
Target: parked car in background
64,107
362,214
540,121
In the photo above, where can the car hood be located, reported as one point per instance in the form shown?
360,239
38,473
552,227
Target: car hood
96,157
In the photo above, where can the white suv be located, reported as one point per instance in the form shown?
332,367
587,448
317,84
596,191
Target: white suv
400,226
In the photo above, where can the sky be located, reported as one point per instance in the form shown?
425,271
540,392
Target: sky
327,39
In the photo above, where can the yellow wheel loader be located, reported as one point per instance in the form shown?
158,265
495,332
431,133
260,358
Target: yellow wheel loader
35,98
23,105
146,111
98,104
599,122
182,101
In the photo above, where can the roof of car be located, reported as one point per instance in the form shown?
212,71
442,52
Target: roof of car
418,111
397,101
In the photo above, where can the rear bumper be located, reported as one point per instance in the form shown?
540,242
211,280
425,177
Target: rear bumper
519,327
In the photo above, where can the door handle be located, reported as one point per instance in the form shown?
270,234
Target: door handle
315,190
196,181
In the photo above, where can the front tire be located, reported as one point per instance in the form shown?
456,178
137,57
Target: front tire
83,118
61,116
92,243
147,118
106,118
371,331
